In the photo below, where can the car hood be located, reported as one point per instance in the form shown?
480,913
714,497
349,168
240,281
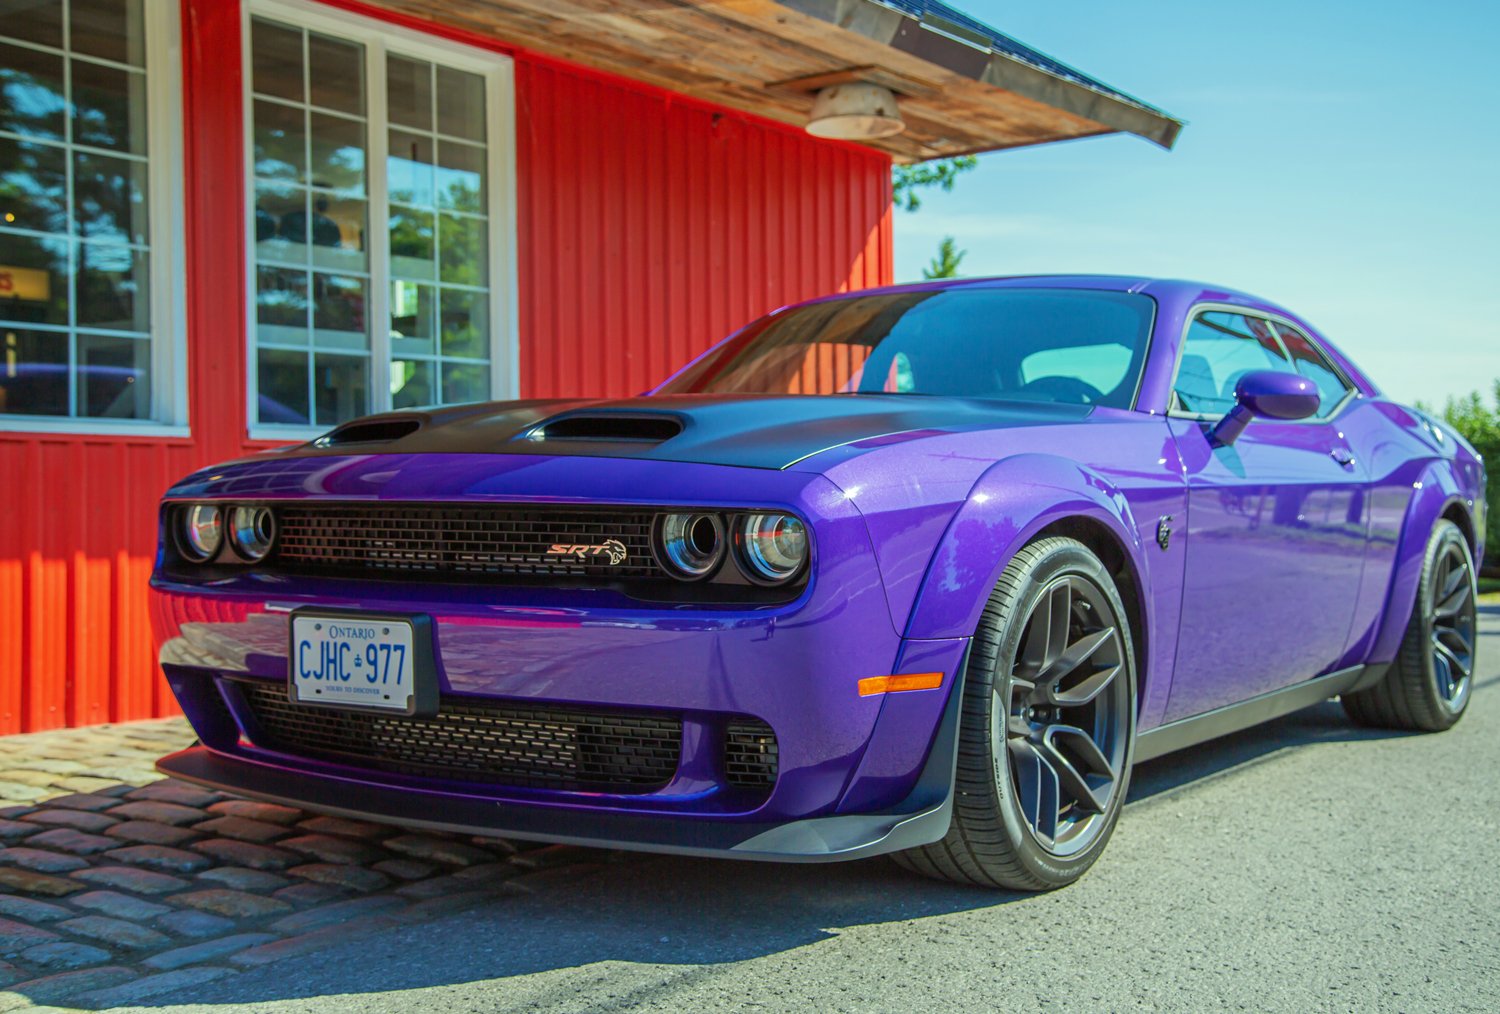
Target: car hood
753,431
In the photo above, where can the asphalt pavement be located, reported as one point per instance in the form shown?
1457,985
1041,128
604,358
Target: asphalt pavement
1303,866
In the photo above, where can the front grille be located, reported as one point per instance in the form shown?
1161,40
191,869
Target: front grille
440,541
750,755
512,744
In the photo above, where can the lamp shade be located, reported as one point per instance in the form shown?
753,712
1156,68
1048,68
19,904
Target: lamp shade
855,112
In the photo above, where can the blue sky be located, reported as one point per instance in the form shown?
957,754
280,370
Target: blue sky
1341,158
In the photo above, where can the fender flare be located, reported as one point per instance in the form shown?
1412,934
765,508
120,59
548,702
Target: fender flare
1007,506
1436,490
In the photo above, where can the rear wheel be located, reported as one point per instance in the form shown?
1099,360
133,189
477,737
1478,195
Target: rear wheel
1427,688
1047,730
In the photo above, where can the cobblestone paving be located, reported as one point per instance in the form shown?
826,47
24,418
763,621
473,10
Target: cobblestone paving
117,885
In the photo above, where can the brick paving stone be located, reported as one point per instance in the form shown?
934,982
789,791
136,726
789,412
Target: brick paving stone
56,766
196,925
152,985
21,776
317,940
170,791
347,828
157,812
243,829
10,973
159,857
498,844
243,853
63,985
81,820
251,810
208,950
405,869
120,906
305,894
17,936
29,910
128,878
421,846
355,878
241,879
36,883
83,801
92,786
12,812
486,873
13,792
149,832
234,904
117,933
434,887
66,839
40,861
15,830
64,954
336,914
328,849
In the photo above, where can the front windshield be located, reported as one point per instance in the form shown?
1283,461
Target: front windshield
1075,346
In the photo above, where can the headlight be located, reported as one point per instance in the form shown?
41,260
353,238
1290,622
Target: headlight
251,532
772,547
202,531
690,545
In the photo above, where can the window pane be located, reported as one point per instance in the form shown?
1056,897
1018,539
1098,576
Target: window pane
109,107
460,104
276,60
280,141
114,377
32,181
109,198
31,92
460,177
33,372
111,29
1308,361
338,153
281,379
412,384
339,312
280,223
1220,349
37,21
281,306
412,244
338,232
33,279
465,382
409,169
409,92
463,249
466,317
413,309
112,288
343,387
336,74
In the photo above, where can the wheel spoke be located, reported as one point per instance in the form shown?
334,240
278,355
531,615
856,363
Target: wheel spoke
1456,659
1083,770
1455,595
1039,794
1048,633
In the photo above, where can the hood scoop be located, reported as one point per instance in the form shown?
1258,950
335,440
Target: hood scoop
370,431
606,427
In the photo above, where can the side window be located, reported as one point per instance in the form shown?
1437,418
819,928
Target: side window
1308,361
1220,348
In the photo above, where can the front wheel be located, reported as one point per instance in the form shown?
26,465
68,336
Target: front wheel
1047,730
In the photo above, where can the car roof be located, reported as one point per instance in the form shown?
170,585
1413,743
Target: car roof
1113,283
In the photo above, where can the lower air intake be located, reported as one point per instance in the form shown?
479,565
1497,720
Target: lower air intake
750,755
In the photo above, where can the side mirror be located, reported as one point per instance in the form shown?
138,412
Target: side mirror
1268,393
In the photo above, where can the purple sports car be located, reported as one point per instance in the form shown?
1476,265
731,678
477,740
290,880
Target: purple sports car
922,570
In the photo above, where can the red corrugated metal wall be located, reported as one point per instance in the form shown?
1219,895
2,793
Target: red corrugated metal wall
649,226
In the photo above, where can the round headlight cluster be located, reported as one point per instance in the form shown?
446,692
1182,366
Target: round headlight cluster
201,531
769,548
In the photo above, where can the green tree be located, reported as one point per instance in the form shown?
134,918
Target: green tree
945,264
1479,424
908,180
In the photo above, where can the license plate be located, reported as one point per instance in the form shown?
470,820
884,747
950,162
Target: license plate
353,661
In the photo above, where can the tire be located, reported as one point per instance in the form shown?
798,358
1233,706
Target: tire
1427,688
1034,806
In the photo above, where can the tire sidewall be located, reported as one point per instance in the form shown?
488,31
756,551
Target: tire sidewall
1443,535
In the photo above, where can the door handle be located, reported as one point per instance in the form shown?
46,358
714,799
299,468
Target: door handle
1343,456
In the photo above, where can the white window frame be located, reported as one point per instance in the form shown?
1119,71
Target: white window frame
168,265
378,38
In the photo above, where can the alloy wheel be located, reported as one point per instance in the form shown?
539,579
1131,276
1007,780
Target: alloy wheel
1453,618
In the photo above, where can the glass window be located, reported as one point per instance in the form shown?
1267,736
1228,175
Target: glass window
1071,346
1310,362
319,281
1220,348
76,244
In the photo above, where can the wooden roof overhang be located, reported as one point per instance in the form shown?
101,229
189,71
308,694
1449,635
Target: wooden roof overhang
962,88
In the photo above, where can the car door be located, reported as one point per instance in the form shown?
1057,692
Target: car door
1276,523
